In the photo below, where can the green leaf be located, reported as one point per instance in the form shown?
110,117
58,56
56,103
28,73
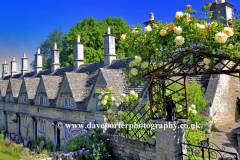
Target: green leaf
209,5
222,17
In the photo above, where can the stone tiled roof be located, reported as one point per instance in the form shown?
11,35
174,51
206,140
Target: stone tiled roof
31,86
114,77
51,84
15,86
4,85
81,86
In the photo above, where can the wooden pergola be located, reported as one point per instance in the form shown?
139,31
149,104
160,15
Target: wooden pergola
187,64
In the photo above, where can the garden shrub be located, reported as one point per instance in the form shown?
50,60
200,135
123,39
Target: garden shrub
93,144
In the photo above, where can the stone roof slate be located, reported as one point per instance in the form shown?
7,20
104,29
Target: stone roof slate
51,84
4,85
80,87
15,86
31,86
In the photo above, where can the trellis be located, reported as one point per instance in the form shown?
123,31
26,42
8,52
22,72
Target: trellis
187,64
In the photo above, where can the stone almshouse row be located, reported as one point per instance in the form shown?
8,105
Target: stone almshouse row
42,98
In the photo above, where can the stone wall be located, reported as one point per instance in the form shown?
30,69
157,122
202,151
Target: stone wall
125,148
222,92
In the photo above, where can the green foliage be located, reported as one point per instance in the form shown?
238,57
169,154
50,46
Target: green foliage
107,97
93,144
55,36
9,149
37,141
91,33
2,127
48,145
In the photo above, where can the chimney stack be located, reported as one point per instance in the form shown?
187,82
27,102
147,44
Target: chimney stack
13,67
151,16
24,64
109,47
38,61
222,8
55,58
78,53
4,68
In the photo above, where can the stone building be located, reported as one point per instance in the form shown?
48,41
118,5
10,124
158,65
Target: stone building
43,98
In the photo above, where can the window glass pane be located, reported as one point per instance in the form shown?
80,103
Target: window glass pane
65,101
68,102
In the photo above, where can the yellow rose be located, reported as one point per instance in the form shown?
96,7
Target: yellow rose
189,7
106,97
123,37
206,61
147,29
104,102
129,41
230,46
207,66
109,111
163,32
138,59
134,71
120,112
228,31
102,94
144,65
171,26
138,39
178,30
187,16
132,63
179,15
179,40
221,37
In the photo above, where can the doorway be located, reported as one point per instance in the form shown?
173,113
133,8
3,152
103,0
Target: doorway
19,126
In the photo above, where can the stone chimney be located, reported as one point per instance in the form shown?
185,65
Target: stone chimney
151,20
4,68
55,58
24,64
38,61
78,53
109,47
13,67
222,8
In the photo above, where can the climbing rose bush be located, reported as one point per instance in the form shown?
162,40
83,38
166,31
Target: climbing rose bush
186,32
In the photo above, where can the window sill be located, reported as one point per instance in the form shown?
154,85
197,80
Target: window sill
43,132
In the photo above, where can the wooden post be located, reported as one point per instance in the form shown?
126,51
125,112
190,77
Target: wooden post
163,97
186,95
150,97
194,61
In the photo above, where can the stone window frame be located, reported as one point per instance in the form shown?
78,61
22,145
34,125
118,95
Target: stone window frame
25,121
67,102
42,127
24,99
43,103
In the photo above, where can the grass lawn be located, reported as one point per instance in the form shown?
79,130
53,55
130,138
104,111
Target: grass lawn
4,156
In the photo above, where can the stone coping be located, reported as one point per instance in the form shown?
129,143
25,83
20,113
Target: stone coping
163,121
99,112
131,142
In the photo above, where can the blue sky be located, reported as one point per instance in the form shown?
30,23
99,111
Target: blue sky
25,24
